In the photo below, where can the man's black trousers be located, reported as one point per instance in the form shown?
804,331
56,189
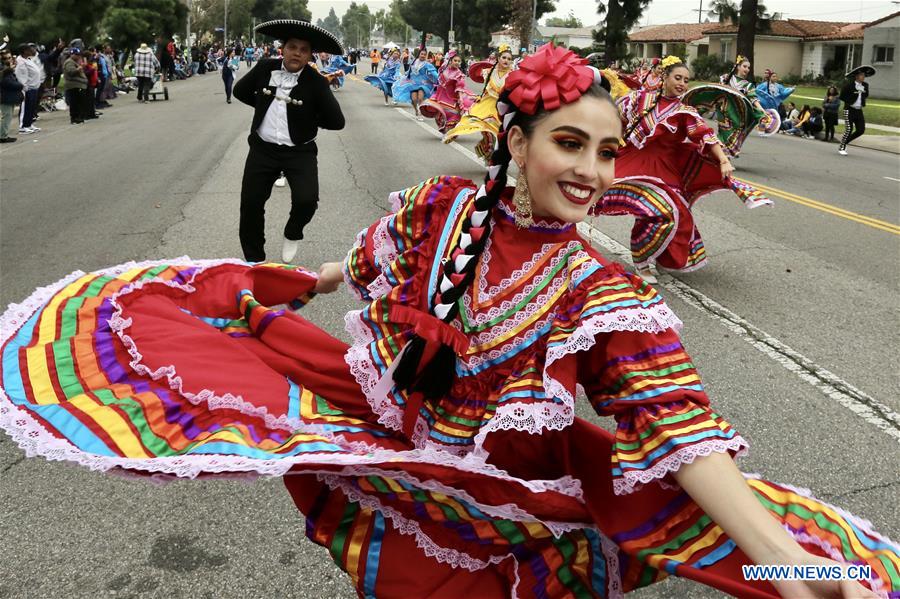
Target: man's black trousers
854,125
265,163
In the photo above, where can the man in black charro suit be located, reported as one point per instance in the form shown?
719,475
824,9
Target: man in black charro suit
291,101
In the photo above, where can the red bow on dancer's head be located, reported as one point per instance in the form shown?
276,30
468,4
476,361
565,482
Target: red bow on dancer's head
550,75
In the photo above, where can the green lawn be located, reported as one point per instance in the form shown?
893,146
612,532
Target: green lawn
878,112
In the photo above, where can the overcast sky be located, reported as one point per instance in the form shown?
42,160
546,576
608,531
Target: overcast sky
682,11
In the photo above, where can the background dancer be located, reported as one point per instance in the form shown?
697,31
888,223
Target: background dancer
482,117
853,95
733,105
451,97
419,83
290,104
440,454
671,159
770,93
393,70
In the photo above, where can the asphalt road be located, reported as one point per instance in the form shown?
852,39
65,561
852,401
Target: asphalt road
793,326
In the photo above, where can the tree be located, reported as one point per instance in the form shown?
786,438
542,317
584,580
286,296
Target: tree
45,21
752,18
331,23
473,20
291,9
621,15
568,21
395,26
131,22
521,21
356,25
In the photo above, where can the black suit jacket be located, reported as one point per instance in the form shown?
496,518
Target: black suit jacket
848,94
319,108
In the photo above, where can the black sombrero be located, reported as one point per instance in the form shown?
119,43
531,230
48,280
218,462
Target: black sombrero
320,39
863,68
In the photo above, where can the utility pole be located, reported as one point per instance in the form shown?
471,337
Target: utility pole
533,23
452,34
700,12
187,40
225,30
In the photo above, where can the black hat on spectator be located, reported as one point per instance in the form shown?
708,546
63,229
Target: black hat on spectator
863,68
320,39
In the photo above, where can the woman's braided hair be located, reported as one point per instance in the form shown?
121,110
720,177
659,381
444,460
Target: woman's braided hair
436,377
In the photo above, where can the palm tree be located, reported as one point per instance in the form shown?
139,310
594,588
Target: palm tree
751,18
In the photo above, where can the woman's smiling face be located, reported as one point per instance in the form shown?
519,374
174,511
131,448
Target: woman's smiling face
569,158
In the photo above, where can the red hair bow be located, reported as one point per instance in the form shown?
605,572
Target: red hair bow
552,75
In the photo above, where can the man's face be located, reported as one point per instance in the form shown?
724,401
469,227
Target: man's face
296,54
860,77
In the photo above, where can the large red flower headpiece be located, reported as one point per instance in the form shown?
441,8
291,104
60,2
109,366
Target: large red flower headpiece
550,75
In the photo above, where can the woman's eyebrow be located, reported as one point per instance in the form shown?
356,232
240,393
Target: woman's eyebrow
574,130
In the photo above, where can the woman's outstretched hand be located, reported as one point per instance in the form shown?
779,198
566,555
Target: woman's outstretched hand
330,277
726,168
822,589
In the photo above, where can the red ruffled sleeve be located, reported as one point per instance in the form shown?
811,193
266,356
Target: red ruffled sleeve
375,264
646,380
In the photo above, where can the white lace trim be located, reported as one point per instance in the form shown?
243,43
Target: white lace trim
517,318
545,224
364,371
632,480
384,249
486,294
507,511
379,287
537,416
460,559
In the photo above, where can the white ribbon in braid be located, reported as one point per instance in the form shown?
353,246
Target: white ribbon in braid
478,218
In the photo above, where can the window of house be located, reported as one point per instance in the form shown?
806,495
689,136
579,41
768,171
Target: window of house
883,54
727,45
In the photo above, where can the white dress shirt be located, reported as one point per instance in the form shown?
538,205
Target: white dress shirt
274,126
860,88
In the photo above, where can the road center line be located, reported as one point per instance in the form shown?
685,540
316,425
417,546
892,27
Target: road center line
828,208
857,401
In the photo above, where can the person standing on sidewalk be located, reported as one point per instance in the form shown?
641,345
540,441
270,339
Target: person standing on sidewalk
831,105
291,102
29,75
76,86
853,95
145,66
11,95
230,64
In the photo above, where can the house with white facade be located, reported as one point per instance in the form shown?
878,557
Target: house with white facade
879,50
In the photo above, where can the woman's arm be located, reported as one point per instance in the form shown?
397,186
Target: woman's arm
716,485
725,165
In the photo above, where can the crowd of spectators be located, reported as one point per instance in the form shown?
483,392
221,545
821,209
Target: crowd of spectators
83,79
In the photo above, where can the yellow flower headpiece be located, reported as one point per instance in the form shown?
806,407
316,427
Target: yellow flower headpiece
669,61
503,48
740,58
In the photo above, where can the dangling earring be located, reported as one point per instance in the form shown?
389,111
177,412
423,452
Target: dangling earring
522,201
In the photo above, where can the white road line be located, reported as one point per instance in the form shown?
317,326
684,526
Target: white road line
857,401
893,179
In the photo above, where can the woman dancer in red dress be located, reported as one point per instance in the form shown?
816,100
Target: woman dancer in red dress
671,159
438,455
